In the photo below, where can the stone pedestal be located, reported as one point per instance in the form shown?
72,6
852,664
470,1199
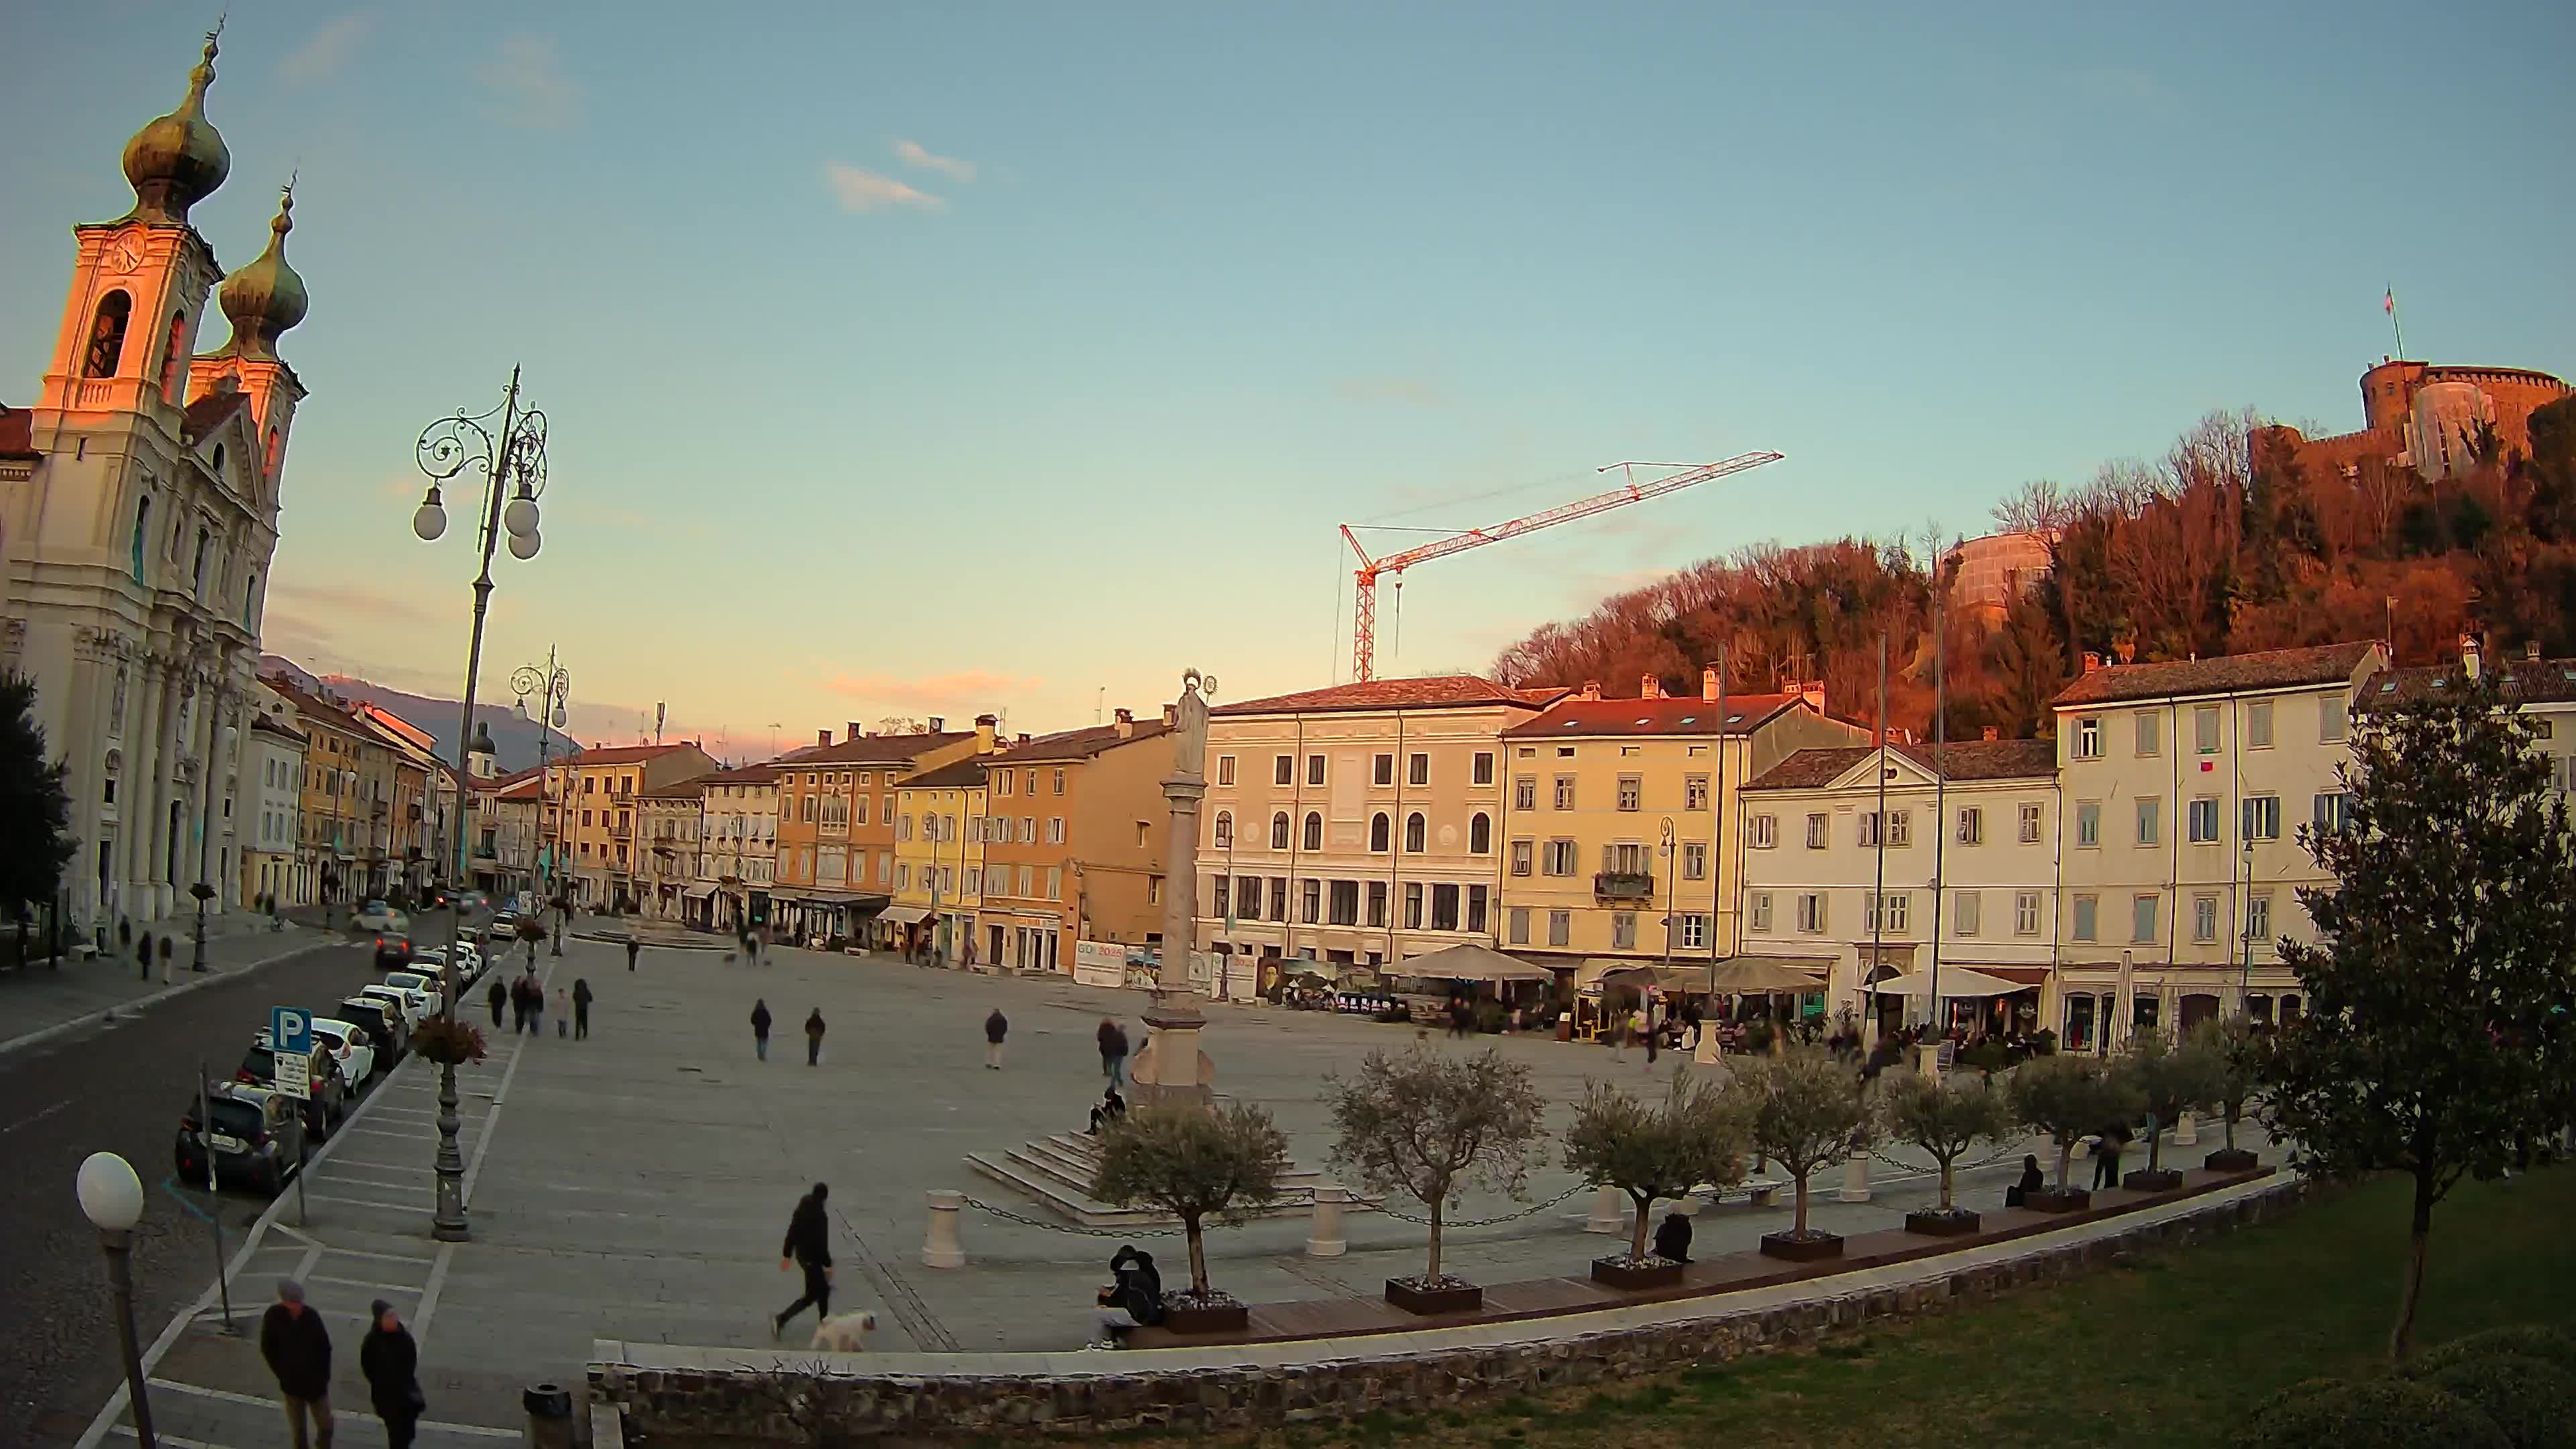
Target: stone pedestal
1855,1179
1609,1212
1324,1232
2187,1130
1927,1060
940,1247
1171,1070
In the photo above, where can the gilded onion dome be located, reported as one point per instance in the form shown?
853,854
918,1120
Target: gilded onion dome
178,160
266,297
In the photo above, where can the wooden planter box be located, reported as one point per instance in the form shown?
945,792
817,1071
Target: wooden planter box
2056,1200
2231,1159
1207,1318
2163,1179
1937,1224
1611,1272
1465,1299
1802,1250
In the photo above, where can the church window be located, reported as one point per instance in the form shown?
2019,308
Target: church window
107,335
219,462
170,354
204,542
142,523
274,444
250,598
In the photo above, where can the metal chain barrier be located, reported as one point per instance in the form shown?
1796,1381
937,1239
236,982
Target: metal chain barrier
1445,1224
1024,1220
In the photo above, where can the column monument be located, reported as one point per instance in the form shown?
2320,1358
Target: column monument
1171,1069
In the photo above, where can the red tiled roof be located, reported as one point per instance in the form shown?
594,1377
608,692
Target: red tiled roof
208,413
275,728
17,432
2528,681
688,789
957,774
873,749
1439,691
625,754
1964,760
2225,674
1572,718
1081,744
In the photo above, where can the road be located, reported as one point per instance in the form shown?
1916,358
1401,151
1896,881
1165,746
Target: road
119,1088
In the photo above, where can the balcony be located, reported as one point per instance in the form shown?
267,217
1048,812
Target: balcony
1623,885
621,832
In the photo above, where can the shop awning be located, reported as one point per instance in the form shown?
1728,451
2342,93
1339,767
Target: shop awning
700,892
1642,974
1955,981
1468,961
1765,975
904,915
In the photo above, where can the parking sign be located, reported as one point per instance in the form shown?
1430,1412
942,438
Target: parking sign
290,1036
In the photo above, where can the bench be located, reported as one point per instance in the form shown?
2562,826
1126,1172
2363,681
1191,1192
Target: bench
1760,1192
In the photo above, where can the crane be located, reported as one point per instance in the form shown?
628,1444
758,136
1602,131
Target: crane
1365,577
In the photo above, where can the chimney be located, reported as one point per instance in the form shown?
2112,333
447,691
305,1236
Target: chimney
1023,739
2531,651
985,725
1591,690
854,731
1650,687
1812,691
2469,656
1992,734
2092,661
1708,684
1171,714
938,724
822,737
1125,724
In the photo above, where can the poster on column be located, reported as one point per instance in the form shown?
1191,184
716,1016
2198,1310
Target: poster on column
1100,963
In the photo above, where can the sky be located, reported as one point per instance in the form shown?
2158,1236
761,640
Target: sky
942,358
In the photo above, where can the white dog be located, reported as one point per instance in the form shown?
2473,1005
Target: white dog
847,1333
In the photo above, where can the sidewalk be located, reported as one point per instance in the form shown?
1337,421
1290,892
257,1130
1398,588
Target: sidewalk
43,1003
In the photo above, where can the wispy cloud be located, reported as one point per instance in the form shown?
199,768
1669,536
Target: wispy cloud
860,189
967,686
344,602
913,153
525,85
328,48
1411,392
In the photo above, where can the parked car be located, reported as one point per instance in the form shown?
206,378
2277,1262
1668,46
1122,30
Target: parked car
423,990
325,1091
393,951
384,1024
348,1043
380,917
249,1136
414,1008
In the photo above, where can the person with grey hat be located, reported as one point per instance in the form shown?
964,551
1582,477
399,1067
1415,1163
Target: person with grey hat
298,1350
391,1361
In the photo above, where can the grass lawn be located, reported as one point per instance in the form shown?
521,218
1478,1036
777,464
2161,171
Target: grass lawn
2169,1350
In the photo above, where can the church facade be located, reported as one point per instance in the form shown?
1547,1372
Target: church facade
138,514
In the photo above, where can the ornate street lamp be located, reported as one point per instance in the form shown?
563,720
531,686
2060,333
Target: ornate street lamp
513,463
553,686
111,1197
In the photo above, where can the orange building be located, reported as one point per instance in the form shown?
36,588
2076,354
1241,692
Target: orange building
1074,831
593,840
836,823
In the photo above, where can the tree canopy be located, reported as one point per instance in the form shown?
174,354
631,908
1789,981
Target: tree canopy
1195,1164
1429,1125
1805,1111
1651,1150
35,808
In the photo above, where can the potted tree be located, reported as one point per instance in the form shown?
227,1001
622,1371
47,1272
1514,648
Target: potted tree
1195,1164
1945,1117
1695,1135
2067,1096
1429,1125
1806,1112
2171,1078
2241,1049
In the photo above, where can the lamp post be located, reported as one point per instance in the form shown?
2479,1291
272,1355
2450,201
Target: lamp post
111,1196
515,455
553,686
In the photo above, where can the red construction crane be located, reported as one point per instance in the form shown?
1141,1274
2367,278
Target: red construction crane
1365,577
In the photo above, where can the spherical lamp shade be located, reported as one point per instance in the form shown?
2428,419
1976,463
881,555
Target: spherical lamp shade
110,1194
520,517
430,520
561,718
525,545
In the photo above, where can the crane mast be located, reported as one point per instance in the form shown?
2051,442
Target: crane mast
1364,578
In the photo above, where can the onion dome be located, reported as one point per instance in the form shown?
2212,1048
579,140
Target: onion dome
266,297
177,161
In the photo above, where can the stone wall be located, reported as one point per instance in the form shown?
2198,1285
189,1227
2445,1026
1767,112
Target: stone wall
692,1398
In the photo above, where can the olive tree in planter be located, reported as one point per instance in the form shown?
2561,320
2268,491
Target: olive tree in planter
2067,1096
2240,1048
1429,1125
1806,1112
2172,1078
1195,1164
1660,1150
1945,1116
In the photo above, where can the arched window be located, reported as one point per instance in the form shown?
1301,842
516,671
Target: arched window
219,462
1225,830
275,443
1413,832
171,353
1480,834
142,530
204,542
107,335
1314,831
1378,831
1279,831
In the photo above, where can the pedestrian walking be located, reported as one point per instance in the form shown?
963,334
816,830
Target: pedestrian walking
499,996
143,957
124,932
632,946
166,952
297,1349
563,1012
536,1007
808,1246
581,999
1113,1052
1646,1028
760,1028
2106,1155
814,1038
391,1362
996,1027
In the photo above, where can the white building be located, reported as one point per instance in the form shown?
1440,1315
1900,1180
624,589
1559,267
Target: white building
738,858
1962,873
271,806
2185,783
138,511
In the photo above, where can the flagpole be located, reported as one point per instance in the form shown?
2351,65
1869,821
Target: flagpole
2395,326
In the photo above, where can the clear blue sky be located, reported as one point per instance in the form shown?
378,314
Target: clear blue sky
931,358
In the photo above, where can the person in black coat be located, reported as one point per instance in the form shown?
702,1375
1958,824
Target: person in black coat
996,1027
391,1361
809,1246
1134,1300
1673,1238
2018,1195
760,1028
297,1349
499,996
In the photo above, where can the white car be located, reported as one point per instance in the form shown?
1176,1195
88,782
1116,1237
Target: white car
423,991
349,1043
378,917
413,1006
469,962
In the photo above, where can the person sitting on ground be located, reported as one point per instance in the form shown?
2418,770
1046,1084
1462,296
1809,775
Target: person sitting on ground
1672,1240
2018,1195
1133,1301
1111,1108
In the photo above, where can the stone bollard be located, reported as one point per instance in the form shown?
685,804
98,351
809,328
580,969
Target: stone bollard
1324,1235
2187,1130
940,1247
1687,1204
1609,1212
1855,1178
549,1411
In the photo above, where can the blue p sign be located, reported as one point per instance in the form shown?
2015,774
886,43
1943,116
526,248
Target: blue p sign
290,1029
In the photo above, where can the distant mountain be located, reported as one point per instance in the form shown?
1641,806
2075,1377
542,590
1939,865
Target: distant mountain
514,740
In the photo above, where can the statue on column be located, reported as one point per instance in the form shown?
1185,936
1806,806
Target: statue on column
1190,724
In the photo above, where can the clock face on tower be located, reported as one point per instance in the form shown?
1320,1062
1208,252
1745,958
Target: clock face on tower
124,256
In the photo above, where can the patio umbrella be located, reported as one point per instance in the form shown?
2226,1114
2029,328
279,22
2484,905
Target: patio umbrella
1766,975
1955,981
1667,979
1468,961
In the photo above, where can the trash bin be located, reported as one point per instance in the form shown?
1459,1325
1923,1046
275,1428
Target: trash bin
549,1409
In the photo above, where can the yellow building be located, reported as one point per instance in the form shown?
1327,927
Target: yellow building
1620,815
342,825
595,832
939,861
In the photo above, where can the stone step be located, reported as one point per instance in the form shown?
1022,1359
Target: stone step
1068,1194
1075,1167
